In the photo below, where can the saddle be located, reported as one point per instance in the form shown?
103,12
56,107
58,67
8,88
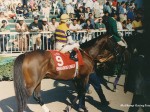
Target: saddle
63,61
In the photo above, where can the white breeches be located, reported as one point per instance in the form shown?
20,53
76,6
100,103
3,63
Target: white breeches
122,43
65,48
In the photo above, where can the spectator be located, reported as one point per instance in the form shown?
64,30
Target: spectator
89,3
35,7
105,19
2,6
137,23
74,27
101,9
107,8
124,24
91,18
96,8
132,4
31,3
72,16
80,11
36,13
4,38
130,13
88,25
19,9
39,4
21,27
25,11
129,24
44,37
117,8
119,24
69,7
88,10
46,11
60,6
52,26
81,20
99,25
55,7
36,27
122,12
114,3
3,17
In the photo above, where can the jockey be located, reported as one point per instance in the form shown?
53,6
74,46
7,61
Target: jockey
64,42
112,30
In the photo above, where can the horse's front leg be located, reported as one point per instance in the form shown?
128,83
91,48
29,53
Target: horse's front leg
37,97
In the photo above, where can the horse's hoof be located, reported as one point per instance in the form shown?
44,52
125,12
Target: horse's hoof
89,91
80,110
67,109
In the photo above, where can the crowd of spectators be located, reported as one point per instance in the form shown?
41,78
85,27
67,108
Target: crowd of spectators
85,14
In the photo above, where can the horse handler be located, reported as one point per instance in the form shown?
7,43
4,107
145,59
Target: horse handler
64,41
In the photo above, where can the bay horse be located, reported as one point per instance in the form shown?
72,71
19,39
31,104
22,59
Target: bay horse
104,53
31,67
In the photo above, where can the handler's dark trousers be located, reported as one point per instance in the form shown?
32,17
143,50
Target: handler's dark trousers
95,82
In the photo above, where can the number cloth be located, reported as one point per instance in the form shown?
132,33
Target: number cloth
63,61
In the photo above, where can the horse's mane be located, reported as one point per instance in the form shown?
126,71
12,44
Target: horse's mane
91,42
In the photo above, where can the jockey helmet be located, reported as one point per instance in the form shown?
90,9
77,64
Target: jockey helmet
64,18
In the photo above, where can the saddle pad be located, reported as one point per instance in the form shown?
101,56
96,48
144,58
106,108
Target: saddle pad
63,61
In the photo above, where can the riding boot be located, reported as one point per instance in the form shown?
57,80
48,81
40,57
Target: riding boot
72,55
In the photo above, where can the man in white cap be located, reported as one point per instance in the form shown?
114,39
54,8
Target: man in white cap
64,42
21,27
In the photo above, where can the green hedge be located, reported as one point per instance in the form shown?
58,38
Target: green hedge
6,68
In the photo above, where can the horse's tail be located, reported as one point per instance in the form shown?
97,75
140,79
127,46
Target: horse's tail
19,86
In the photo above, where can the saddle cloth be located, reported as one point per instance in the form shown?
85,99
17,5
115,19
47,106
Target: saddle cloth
63,61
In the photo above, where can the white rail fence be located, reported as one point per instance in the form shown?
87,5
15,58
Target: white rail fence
14,42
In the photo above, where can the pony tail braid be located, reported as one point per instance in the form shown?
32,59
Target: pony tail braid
20,90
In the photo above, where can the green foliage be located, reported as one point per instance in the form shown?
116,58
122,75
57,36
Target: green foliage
6,68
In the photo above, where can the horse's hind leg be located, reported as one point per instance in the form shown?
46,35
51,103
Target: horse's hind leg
81,90
37,97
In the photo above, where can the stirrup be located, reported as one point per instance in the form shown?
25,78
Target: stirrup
73,58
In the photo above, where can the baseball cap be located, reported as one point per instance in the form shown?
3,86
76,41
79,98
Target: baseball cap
4,21
44,19
20,18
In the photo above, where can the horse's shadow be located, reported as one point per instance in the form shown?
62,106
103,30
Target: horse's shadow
61,93
64,94
10,105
